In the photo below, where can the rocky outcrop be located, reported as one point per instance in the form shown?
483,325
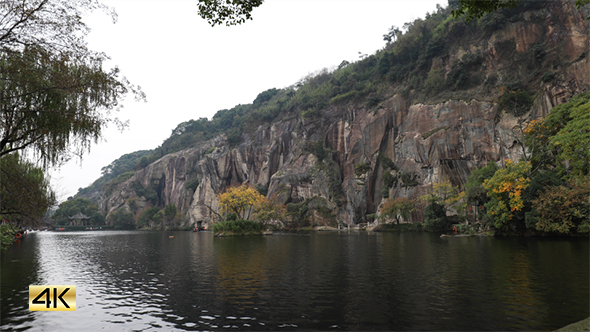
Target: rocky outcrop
300,158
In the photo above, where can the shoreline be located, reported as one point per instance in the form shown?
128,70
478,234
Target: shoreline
583,325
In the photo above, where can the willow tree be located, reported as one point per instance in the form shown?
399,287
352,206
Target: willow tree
25,194
55,96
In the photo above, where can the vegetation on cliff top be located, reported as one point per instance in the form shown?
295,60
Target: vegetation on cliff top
412,63
237,12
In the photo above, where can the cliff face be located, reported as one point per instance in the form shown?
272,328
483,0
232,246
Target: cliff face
300,158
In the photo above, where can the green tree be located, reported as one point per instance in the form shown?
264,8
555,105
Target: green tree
435,218
7,232
397,208
25,194
444,194
147,216
121,218
74,206
442,197
562,138
170,212
516,103
564,209
97,218
573,140
159,217
55,97
475,193
268,210
228,12
392,35
478,8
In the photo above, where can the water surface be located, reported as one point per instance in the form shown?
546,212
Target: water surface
146,281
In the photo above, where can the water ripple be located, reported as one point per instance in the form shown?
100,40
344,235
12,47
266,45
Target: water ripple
144,281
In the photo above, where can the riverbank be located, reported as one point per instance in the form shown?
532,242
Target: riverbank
583,325
405,227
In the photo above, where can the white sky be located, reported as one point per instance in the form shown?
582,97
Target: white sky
189,69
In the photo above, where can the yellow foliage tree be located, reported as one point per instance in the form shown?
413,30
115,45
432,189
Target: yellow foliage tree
505,191
269,210
240,200
400,207
445,194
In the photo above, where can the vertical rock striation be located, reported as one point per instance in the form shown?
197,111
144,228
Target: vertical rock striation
300,158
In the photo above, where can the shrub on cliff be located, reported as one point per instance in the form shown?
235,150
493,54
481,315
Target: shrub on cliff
516,103
361,168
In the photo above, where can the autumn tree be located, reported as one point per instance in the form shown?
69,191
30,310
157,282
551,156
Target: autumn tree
398,208
444,194
268,210
442,197
240,200
505,190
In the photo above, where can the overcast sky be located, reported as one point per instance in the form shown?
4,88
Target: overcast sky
190,70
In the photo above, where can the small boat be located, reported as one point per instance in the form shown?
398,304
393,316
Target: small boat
198,229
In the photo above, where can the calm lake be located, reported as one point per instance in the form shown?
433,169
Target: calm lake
146,281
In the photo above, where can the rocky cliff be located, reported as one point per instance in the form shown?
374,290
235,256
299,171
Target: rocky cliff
343,153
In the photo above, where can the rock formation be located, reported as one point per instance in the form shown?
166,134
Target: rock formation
300,158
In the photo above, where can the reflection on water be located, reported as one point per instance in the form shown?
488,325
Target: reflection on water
145,281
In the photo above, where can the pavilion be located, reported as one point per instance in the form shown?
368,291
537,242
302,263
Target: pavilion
79,219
